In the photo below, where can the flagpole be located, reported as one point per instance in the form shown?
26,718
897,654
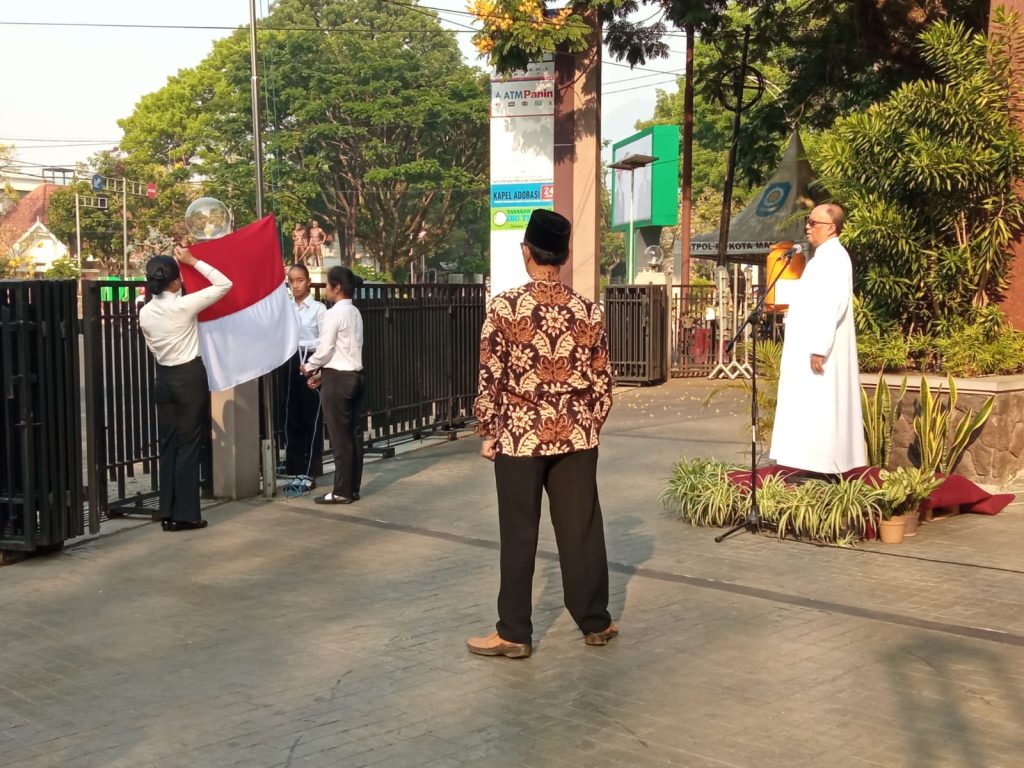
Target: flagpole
269,463
257,134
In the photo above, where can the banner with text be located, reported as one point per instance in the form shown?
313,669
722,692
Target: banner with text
522,164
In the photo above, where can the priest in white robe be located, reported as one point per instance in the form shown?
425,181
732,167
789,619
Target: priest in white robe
818,421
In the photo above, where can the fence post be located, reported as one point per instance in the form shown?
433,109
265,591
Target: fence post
95,442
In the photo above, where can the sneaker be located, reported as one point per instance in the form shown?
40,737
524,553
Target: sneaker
602,637
494,645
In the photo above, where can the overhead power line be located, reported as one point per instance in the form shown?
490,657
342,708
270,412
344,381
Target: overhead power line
638,87
82,141
224,28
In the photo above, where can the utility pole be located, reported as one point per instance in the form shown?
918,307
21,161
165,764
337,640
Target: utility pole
89,201
125,187
686,212
269,463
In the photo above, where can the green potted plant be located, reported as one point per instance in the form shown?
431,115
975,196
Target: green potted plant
903,490
880,416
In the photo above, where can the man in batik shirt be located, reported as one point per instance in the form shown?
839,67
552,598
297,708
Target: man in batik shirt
545,392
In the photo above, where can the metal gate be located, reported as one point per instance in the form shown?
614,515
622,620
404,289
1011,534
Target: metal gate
40,415
122,444
694,330
636,318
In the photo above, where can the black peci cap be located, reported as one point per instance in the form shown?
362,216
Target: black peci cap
548,231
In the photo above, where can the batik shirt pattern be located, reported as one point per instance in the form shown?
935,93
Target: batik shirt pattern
545,383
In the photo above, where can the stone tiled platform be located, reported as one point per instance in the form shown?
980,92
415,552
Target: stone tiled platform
287,634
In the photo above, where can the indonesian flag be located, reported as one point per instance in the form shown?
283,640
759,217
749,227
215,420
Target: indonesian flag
253,329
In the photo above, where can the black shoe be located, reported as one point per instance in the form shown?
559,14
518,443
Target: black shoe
166,523
330,498
182,525
355,496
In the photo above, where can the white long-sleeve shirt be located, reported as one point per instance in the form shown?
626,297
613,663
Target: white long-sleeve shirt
310,313
169,322
341,339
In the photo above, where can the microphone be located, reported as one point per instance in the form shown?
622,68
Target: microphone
788,255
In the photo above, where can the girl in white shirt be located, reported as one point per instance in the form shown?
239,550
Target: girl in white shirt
181,392
339,355
303,453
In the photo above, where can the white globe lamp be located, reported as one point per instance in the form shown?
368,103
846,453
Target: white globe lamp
207,219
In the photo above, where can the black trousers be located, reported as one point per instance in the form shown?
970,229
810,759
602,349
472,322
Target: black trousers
304,425
182,398
342,393
570,480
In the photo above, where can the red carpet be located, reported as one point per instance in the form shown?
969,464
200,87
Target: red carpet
955,489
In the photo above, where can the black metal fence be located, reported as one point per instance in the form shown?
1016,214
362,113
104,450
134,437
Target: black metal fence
421,346
122,445
421,354
40,415
636,317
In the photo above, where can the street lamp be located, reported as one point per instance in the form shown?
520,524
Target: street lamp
631,163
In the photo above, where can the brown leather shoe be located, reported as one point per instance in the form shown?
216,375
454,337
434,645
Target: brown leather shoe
494,645
602,637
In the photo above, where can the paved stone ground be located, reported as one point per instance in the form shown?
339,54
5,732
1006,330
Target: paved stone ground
288,634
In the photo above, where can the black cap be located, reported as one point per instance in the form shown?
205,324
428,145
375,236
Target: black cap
548,231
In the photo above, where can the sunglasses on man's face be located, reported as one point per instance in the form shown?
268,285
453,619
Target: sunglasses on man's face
809,222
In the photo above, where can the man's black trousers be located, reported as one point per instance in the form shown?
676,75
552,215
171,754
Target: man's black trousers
570,480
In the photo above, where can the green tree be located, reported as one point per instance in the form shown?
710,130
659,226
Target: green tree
372,123
9,263
102,230
820,60
839,50
468,245
928,180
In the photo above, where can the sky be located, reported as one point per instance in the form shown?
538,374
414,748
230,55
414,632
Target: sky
65,87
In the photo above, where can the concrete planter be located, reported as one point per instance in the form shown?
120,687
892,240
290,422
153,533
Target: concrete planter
996,455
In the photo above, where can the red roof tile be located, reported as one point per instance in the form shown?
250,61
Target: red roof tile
32,206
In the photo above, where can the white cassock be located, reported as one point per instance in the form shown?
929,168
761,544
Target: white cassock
818,421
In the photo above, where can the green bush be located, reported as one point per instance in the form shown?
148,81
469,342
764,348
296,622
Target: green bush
701,493
963,351
63,268
972,350
883,350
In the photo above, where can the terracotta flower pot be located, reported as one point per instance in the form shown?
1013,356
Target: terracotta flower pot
891,531
910,522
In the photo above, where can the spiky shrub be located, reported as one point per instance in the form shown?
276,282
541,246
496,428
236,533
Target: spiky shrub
939,442
880,415
927,177
769,361
701,492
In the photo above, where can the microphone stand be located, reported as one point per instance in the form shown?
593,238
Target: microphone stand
753,521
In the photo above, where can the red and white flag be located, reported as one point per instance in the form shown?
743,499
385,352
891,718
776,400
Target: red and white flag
253,329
